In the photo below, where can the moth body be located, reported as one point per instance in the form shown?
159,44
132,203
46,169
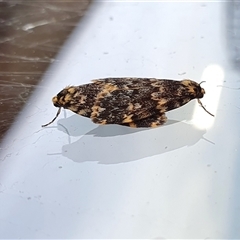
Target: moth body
133,102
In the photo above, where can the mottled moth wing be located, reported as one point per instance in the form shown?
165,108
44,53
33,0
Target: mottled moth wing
130,100
123,106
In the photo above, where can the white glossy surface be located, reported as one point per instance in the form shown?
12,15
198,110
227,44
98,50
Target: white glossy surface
176,181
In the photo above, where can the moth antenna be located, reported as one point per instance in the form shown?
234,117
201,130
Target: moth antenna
204,108
58,112
201,82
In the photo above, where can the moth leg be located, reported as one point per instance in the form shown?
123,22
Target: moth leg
150,122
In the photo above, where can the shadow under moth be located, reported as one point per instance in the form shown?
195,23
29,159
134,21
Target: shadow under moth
132,102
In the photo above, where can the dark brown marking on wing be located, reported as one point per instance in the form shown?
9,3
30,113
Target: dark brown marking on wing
124,106
153,121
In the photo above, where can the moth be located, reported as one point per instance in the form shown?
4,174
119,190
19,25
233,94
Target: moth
133,102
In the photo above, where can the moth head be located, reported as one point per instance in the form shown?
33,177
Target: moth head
56,102
201,90
63,98
196,91
193,88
